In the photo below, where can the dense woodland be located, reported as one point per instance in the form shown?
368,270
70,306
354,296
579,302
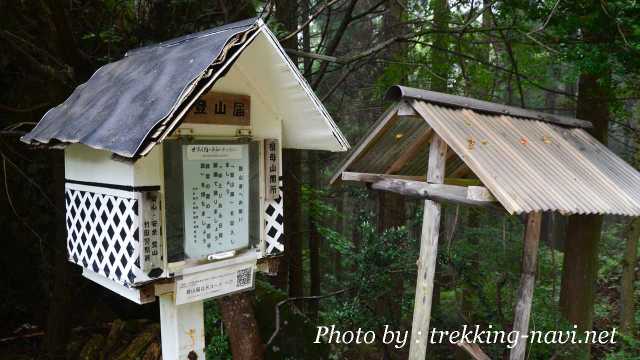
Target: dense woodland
351,252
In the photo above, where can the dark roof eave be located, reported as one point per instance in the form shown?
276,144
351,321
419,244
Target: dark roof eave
398,92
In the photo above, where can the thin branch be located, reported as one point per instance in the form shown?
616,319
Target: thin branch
13,208
309,20
475,16
546,22
5,158
335,41
314,56
21,110
498,67
336,85
279,304
368,11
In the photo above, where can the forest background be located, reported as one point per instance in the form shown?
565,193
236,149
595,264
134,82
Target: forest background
351,252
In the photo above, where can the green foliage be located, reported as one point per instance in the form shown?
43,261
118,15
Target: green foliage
217,342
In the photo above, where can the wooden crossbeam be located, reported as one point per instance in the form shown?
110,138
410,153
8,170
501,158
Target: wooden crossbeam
466,195
371,178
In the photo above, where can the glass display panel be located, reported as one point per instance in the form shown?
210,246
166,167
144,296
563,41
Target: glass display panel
216,198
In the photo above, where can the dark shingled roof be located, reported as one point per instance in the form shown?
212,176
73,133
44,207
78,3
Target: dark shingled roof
124,101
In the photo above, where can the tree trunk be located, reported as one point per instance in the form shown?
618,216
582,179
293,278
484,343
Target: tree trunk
627,298
439,62
467,289
60,301
293,220
392,214
290,268
314,237
440,59
340,220
241,326
579,273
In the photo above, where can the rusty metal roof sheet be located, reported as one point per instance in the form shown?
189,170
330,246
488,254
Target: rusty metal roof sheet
528,165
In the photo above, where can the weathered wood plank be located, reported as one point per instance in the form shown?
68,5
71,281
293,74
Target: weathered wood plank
480,193
378,129
428,254
473,195
371,178
474,350
419,144
527,282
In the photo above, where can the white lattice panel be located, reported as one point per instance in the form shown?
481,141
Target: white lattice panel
274,227
104,232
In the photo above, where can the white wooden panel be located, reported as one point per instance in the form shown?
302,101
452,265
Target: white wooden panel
83,163
148,170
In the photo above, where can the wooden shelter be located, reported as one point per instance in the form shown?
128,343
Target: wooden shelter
445,148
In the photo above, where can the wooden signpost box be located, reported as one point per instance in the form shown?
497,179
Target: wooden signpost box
173,165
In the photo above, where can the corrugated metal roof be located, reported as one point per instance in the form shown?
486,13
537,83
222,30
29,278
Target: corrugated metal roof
528,165
531,165
398,92
128,106
124,101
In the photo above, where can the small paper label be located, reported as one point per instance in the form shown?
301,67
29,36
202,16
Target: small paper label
214,152
214,283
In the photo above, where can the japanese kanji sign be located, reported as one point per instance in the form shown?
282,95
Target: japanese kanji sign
221,108
152,251
272,171
216,198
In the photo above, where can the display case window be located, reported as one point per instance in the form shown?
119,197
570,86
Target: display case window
212,197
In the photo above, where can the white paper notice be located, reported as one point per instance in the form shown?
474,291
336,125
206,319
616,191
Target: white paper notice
214,283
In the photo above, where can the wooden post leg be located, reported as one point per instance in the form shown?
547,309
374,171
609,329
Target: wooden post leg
428,254
182,329
527,282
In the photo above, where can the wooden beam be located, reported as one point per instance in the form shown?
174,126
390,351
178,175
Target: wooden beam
474,350
371,178
527,281
428,254
419,144
377,130
472,195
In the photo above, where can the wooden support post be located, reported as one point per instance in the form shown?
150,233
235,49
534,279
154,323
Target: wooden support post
182,329
428,254
527,281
